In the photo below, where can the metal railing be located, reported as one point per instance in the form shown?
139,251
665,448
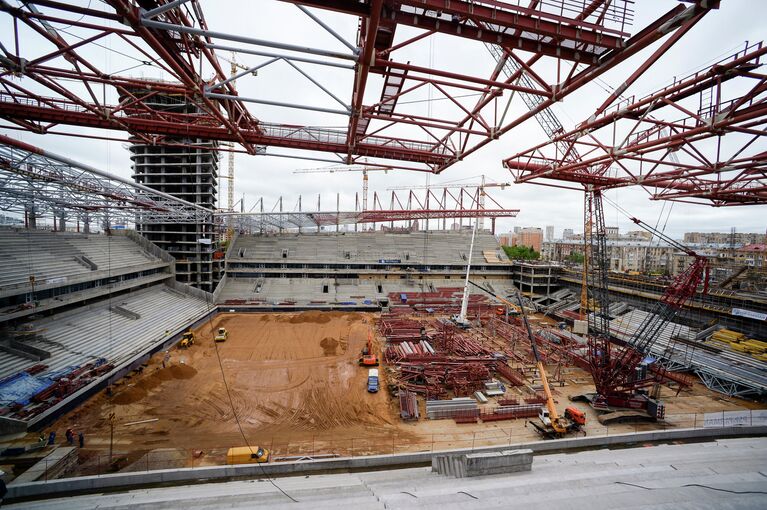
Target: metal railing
97,461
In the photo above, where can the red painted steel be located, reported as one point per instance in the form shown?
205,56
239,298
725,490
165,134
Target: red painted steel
65,91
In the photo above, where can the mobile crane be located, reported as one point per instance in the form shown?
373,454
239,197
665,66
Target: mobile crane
551,425
514,308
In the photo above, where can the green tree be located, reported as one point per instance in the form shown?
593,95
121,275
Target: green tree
521,253
575,257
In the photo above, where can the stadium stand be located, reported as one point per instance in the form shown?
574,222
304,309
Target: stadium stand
76,309
54,256
451,247
357,269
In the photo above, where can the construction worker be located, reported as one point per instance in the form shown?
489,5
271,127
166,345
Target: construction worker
81,439
51,438
70,437
166,359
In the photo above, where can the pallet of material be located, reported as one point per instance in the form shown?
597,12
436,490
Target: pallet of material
465,419
727,335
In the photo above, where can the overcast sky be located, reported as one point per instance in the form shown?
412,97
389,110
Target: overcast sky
720,33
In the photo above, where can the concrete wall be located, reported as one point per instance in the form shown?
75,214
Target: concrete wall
122,481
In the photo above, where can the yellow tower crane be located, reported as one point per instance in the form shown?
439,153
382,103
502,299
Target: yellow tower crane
234,66
349,168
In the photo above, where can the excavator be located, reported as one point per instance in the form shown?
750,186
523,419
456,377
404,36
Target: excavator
187,339
368,359
551,426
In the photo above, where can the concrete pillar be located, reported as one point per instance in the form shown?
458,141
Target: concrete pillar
62,221
86,224
31,217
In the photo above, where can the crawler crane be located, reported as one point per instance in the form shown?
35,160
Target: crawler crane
621,373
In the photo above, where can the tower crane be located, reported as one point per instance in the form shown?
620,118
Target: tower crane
349,168
234,66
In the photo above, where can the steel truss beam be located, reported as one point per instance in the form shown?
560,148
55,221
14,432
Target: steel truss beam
287,220
582,42
35,179
700,139
433,204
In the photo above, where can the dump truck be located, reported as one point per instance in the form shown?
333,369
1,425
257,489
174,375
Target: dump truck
187,339
247,455
221,335
373,380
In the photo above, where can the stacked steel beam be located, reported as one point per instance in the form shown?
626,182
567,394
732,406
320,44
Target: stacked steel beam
511,413
445,300
408,405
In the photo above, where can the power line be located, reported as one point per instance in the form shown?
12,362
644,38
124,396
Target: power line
234,411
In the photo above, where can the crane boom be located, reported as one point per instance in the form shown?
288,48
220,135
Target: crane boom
559,425
615,369
349,168
496,296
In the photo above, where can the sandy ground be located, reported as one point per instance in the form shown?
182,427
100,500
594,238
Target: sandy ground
297,389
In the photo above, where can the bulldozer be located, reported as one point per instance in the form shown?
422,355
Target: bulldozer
187,340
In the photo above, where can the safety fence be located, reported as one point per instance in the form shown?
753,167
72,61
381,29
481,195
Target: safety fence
98,461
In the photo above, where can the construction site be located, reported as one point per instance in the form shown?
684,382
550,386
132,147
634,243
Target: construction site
160,329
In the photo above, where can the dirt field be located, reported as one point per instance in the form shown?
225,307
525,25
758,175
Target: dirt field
288,375
296,388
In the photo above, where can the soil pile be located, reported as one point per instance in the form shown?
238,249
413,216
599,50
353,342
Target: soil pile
329,346
129,395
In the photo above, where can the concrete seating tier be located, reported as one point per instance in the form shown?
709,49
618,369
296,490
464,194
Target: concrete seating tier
86,334
50,256
714,475
309,291
417,248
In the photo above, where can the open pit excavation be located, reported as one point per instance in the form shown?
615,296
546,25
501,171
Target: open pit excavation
382,253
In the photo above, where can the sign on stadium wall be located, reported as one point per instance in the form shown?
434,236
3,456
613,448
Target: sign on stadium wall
750,314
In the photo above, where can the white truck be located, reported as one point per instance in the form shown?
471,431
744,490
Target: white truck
373,380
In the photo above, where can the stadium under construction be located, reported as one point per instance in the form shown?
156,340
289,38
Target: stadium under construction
354,351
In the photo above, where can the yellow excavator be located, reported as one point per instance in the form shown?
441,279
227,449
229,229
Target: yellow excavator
187,339
551,426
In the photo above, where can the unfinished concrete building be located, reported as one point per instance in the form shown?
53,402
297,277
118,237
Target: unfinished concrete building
190,172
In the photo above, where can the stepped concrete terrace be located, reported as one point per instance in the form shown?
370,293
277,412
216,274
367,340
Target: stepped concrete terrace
322,269
725,473
369,248
324,292
103,333
55,269
92,332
